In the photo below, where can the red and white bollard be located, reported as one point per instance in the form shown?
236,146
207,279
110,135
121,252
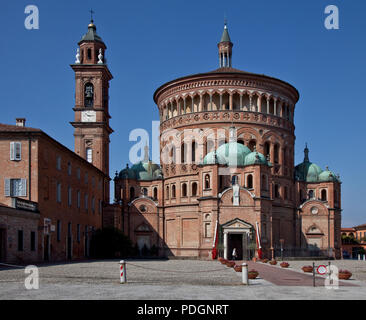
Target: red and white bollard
122,271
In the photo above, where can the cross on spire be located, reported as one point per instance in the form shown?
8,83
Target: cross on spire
91,15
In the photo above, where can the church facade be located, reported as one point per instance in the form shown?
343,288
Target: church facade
227,177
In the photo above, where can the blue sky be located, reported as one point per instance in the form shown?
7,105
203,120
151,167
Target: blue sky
152,42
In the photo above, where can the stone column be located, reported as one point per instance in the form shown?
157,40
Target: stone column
241,101
250,103
220,107
200,108
225,244
267,105
231,101
260,103
275,107
184,105
192,109
210,109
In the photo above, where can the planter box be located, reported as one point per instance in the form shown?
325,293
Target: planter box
230,264
307,269
264,260
238,268
223,261
252,275
273,262
344,276
284,265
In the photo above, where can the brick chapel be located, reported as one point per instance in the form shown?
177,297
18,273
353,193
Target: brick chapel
227,177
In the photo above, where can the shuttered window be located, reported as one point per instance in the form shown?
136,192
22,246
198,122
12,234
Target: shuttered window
15,151
15,187
58,192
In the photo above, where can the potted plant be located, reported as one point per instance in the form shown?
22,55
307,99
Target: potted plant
307,268
238,268
223,261
265,260
220,259
230,264
284,264
273,262
252,274
344,274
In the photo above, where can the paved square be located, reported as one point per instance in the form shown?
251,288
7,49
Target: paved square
176,279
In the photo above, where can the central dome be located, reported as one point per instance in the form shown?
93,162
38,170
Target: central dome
232,153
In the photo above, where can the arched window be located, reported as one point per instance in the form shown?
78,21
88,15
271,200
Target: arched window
155,193
193,151
89,155
173,191
167,192
172,153
241,141
207,181
266,148
276,191
311,194
89,95
194,189
132,193
250,181
234,180
144,191
324,195
264,182
252,145
210,145
183,153
89,54
184,190
275,153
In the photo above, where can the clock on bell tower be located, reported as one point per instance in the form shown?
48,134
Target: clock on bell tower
91,121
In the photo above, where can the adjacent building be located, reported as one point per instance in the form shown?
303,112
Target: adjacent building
68,189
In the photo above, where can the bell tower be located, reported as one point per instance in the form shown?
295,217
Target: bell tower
91,121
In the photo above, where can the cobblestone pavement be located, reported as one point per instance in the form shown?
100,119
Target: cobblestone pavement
158,279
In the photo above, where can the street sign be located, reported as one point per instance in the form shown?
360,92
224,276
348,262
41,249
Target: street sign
322,269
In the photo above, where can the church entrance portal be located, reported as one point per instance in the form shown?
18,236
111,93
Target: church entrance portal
237,234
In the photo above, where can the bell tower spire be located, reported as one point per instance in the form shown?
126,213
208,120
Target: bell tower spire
92,78
225,48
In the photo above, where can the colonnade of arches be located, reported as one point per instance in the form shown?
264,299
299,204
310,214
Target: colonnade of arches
234,101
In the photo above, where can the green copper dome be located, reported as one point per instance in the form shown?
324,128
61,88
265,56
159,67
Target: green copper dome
232,153
127,173
328,176
212,158
307,171
255,158
145,170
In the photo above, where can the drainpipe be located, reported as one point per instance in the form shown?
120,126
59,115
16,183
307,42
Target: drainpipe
29,166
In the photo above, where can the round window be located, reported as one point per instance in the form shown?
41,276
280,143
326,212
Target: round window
143,208
314,210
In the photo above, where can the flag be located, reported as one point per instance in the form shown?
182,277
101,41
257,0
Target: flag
259,248
216,239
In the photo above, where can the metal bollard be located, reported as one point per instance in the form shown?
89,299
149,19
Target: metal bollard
359,257
122,271
244,274
364,257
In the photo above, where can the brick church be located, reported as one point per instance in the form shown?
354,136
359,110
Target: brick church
226,177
